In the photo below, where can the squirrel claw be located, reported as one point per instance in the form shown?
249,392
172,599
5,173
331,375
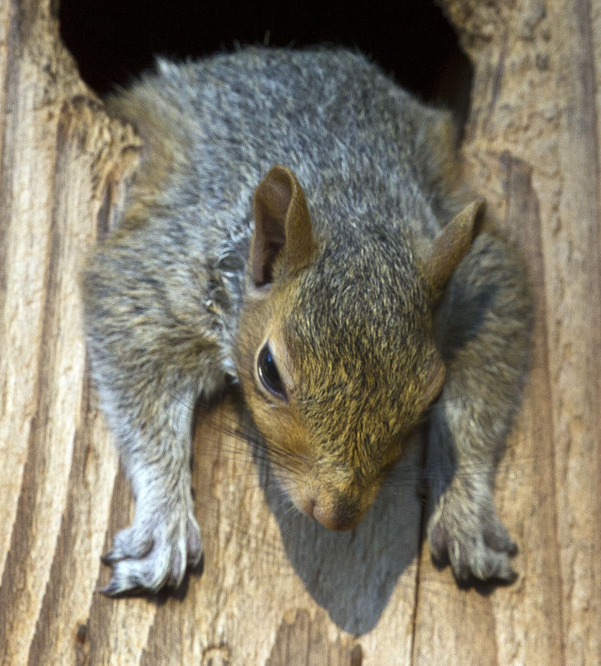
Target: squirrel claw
108,559
472,540
154,552
112,589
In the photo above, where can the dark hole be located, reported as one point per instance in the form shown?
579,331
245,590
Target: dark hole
113,40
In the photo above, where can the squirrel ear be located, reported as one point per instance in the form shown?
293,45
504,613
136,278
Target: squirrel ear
282,226
452,243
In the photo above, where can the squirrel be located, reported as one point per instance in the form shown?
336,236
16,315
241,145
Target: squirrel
298,226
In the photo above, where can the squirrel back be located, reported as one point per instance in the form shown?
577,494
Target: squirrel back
373,162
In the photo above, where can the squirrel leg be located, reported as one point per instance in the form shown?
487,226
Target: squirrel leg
483,329
164,538
151,358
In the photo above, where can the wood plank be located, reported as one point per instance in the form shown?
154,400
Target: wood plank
532,149
58,152
573,249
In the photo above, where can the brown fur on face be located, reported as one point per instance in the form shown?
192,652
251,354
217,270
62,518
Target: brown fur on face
353,392
354,348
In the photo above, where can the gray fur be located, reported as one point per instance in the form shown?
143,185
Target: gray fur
164,292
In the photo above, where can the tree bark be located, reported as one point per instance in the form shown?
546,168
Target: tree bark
275,588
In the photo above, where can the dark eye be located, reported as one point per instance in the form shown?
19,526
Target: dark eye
268,373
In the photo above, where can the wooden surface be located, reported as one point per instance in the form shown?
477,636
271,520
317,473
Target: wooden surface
276,589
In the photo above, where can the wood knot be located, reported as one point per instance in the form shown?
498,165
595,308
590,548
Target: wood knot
216,655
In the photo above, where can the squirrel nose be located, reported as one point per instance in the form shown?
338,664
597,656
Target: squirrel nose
337,517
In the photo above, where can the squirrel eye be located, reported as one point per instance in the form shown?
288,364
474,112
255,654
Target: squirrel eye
268,373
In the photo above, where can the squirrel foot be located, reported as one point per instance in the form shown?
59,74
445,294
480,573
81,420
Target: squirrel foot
464,531
155,551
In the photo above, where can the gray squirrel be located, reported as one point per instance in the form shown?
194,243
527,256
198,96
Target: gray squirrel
298,226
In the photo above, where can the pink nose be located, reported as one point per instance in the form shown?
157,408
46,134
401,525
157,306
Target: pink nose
337,518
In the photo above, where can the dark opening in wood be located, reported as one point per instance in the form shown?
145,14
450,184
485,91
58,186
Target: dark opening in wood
113,40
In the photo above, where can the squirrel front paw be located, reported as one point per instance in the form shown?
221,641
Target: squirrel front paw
156,550
466,532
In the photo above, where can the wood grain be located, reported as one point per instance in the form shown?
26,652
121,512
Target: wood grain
274,588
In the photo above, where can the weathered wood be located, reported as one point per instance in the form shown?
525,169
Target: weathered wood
533,149
275,588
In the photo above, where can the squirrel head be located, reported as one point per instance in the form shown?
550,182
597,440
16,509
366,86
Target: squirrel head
335,348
